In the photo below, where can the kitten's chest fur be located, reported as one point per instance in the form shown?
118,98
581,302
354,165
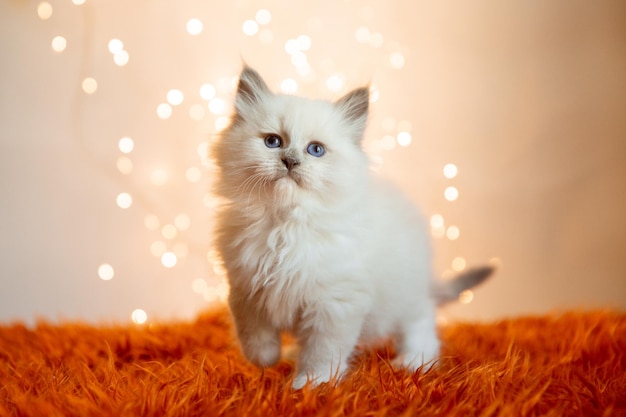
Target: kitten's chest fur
292,255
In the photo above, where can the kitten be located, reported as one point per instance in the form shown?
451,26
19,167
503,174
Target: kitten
313,243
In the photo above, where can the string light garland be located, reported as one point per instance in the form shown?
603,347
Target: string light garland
211,101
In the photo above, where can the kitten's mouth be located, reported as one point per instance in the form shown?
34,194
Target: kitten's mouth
290,176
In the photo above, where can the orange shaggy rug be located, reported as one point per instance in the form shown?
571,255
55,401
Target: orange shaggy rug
568,365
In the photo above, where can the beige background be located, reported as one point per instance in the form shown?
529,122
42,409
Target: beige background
527,98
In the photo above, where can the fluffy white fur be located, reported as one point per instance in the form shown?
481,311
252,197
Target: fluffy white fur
325,249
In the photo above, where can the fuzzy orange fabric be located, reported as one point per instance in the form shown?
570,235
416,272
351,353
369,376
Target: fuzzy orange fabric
567,365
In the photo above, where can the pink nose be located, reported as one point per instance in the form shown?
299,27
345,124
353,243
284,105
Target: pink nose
290,163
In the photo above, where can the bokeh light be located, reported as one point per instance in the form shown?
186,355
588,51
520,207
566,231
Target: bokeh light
124,200
169,259
59,43
164,111
453,232
175,97
44,10
250,27
451,193
450,171
106,272
115,46
126,144
89,85
194,26
139,316
263,16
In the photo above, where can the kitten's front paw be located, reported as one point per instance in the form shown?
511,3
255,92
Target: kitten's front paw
299,381
262,351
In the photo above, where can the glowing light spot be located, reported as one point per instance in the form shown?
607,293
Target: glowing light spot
218,269
289,86
263,17
453,233
335,83
217,106
159,177
466,297
59,43
397,60
495,262
199,285
362,35
222,290
458,263
451,193
437,226
436,221
404,138
203,150
106,272
115,46
78,2
194,26
169,259
124,200
44,10
158,248
207,92
209,201
450,171
266,36
197,112
291,46
250,27
182,221
376,40
193,175
404,125
374,94
151,222
299,59
221,122
126,145
304,42
169,231
89,85
121,58
388,142
124,165
138,316
175,97
164,111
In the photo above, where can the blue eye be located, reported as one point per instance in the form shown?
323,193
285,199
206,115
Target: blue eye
316,149
273,141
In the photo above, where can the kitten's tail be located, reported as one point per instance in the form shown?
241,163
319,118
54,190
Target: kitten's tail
446,291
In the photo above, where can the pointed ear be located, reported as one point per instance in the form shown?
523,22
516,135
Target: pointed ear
250,89
355,106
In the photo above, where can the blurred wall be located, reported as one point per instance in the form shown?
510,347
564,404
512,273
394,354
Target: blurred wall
526,99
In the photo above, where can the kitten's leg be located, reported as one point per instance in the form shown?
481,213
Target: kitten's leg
260,341
419,343
327,342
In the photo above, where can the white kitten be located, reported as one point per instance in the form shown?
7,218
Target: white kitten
313,243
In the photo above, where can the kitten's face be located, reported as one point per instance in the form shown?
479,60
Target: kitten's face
285,147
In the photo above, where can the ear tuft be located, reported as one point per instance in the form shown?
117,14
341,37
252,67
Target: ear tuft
355,107
250,89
